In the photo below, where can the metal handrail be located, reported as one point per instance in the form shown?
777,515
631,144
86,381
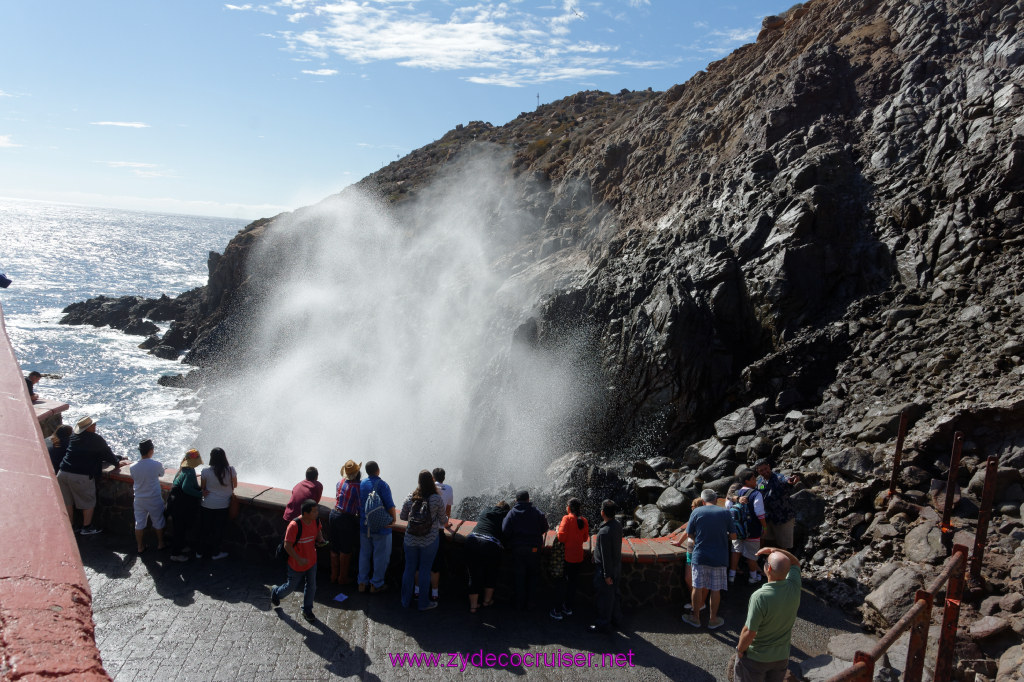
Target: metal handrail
917,619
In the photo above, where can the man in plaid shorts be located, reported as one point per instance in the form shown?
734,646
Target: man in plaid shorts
710,527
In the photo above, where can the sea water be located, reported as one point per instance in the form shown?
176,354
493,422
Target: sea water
59,254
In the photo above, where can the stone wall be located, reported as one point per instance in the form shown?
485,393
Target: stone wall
46,628
651,571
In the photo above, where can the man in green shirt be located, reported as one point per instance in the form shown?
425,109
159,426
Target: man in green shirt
762,654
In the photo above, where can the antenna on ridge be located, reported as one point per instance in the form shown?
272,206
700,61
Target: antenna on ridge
538,100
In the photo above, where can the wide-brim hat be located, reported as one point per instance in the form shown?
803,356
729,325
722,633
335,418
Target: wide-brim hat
192,459
84,423
351,470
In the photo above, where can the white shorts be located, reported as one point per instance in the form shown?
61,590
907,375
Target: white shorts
747,548
149,509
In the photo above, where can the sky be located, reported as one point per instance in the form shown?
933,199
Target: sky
245,110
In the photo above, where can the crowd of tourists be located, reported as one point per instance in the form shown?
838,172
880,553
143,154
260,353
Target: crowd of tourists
754,523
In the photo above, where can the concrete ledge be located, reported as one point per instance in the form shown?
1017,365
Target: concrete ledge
46,627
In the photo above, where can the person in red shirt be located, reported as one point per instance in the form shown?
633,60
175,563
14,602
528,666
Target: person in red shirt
300,540
573,532
309,489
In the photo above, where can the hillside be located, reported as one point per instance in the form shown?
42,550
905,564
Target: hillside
815,232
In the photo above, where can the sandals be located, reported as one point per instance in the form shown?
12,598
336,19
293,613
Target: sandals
487,603
473,609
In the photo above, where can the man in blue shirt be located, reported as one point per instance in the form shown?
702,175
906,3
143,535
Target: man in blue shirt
711,528
374,548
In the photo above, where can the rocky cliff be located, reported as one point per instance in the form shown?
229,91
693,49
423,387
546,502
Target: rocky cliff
774,258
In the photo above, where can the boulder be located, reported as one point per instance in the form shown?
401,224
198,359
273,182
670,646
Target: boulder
809,508
988,627
887,603
166,352
674,504
1005,477
924,544
822,668
742,422
845,645
1012,603
853,463
651,520
649,489
1011,665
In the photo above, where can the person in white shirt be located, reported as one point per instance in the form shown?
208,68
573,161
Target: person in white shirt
148,503
448,497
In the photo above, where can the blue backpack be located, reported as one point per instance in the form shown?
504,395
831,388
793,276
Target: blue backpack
740,519
377,517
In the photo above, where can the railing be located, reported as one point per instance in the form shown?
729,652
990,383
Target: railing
918,618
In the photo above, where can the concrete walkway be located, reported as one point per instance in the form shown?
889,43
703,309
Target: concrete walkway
158,620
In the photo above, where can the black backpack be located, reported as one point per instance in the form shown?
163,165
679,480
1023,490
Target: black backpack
281,554
420,519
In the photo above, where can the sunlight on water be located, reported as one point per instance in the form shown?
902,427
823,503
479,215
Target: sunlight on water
57,255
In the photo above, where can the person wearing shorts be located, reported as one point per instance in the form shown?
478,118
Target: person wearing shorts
710,526
148,503
82,464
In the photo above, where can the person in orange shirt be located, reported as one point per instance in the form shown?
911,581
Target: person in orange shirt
300,540
573,532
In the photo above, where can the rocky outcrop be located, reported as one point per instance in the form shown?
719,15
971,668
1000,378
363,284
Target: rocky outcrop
774,259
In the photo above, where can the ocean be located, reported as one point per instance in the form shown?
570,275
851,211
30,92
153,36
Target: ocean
60,254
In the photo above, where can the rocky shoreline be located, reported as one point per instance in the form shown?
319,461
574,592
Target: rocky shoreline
774,259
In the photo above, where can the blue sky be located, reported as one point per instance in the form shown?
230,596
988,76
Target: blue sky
246,110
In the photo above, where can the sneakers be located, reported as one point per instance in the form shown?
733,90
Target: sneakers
755,577
219,555
716,623
198,555
273,598
378,590
308,615
89,530
689,607
556,614
732,576
430,605
566,611
180,558
690,620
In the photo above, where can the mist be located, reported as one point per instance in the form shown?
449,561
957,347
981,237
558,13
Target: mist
386,333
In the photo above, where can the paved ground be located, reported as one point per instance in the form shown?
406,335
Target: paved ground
158,620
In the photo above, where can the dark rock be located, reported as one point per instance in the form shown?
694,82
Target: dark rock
674,504
165,352
853,463
651,520
140,328
887,603
150,342
739,423
809,508
643,470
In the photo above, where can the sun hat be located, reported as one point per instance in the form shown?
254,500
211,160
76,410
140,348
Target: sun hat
192,459
83,424
351,470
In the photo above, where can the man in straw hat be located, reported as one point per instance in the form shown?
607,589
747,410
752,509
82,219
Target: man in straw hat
83,462
344,523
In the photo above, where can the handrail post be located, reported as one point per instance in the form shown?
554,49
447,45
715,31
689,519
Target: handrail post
987,497
947,507
898,455
951,616
918,638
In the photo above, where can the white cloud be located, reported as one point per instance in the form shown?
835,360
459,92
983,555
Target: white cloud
238,8
120,124
6,142
498,43
639,3
321,72
5,94
266,9
142,170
